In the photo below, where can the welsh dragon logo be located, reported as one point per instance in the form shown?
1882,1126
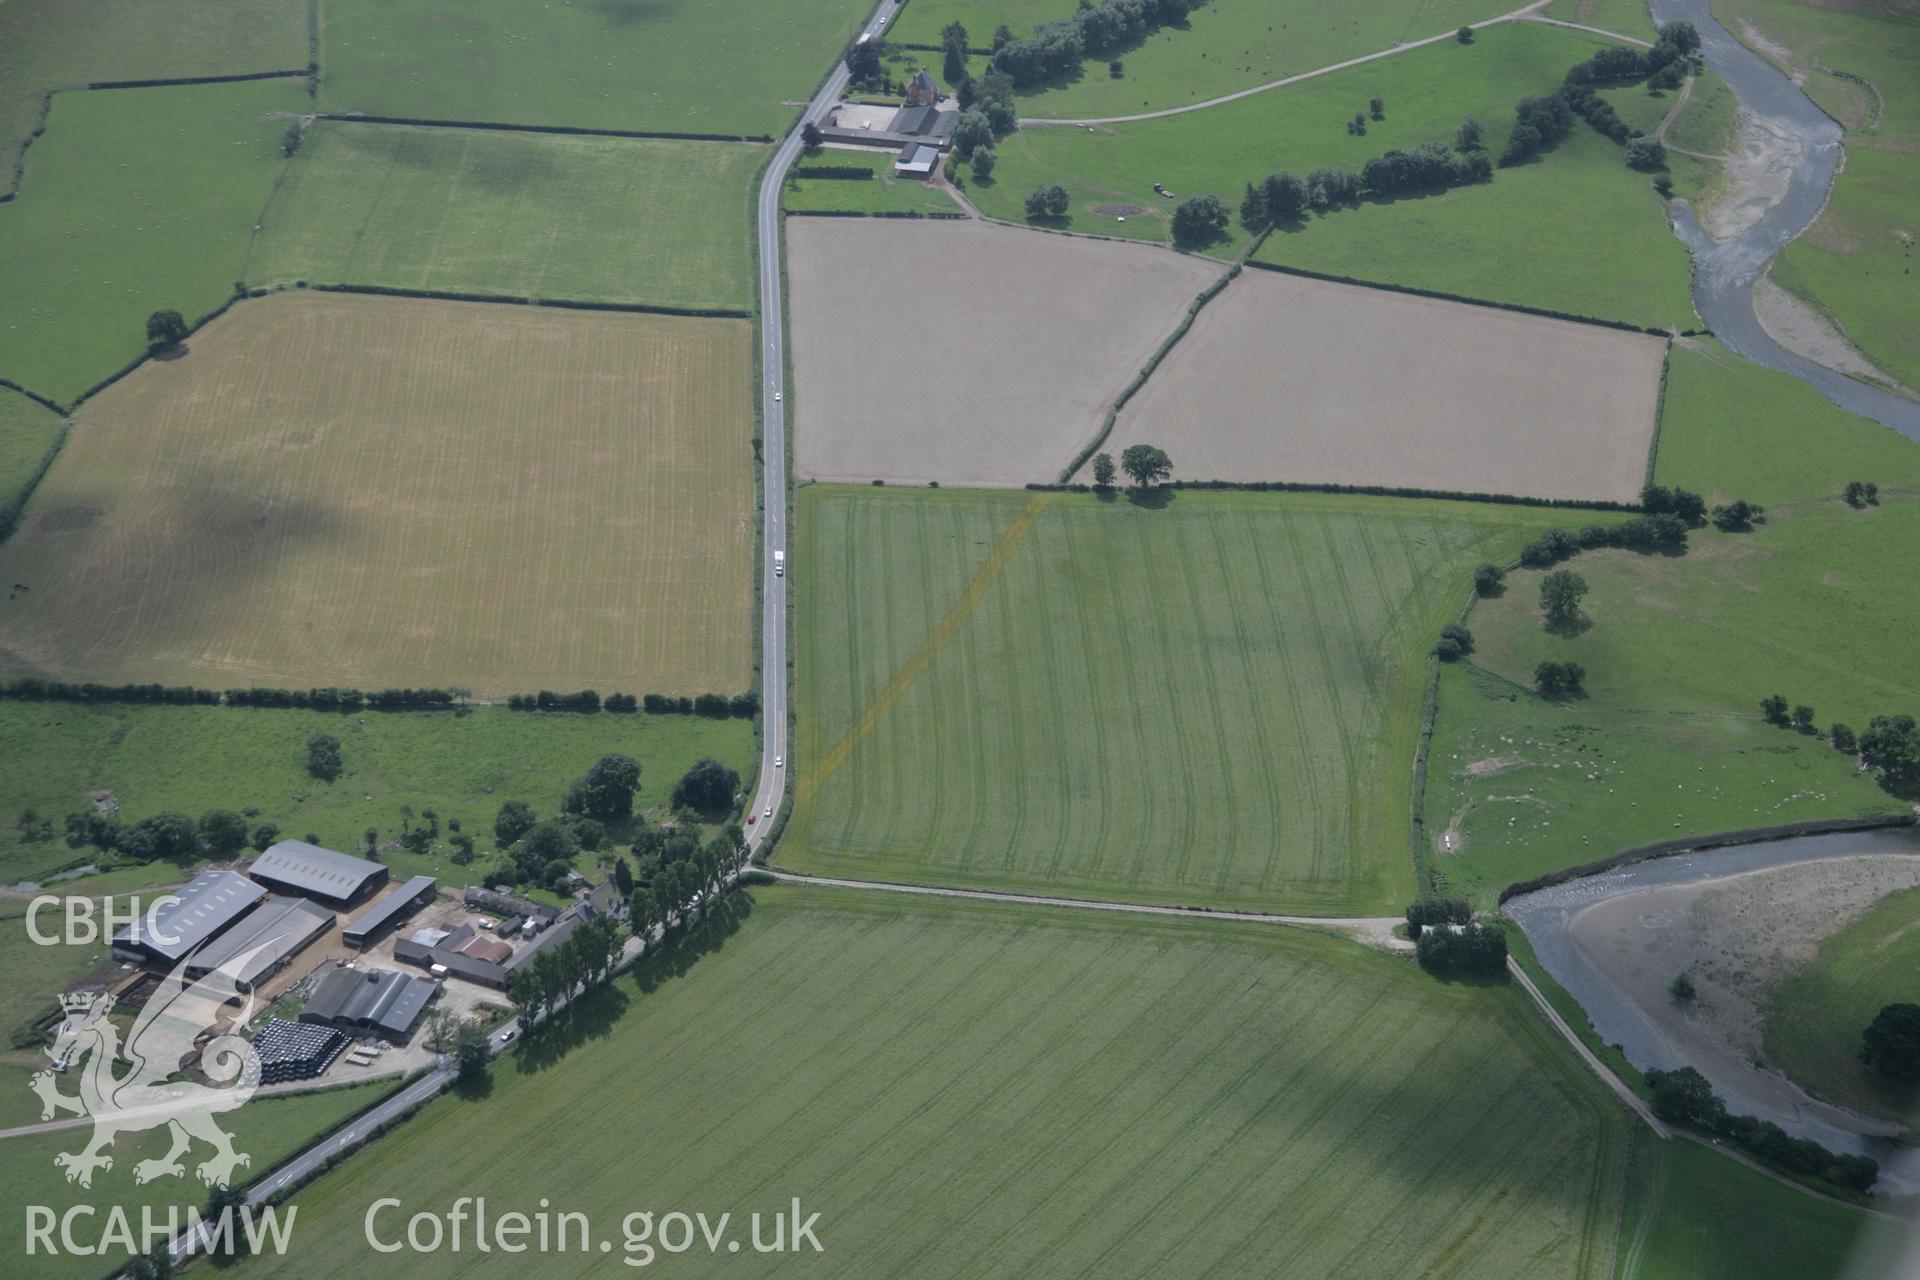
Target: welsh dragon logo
163,1042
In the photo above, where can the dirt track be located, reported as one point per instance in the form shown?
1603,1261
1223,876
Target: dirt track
966,352
1284,378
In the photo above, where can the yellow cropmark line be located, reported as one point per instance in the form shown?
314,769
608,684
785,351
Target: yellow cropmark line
984,578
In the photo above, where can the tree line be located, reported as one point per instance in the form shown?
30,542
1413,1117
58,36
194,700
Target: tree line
1057,47
1543,120
31,689
1282,198
1890,744
1685,1097
584,959
716,706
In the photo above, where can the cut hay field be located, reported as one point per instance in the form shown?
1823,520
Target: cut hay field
55,44
1212,700
1281,378
332,489
1629,17
631,64
192,759
1693,1214
999,368
1680,650
521,214
1596,243
29,432
268,1129
966,1090
1814,1019
881,193
134,200
1224,47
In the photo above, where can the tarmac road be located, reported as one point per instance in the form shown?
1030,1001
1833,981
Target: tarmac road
772,787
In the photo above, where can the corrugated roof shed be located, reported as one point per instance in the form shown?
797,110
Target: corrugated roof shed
322,873
387,910
273,931
207,904
383,1000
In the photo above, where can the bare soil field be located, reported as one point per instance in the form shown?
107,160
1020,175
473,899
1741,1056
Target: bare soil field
1285,378
330,489
965,352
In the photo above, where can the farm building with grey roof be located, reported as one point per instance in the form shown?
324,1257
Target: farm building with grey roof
294,866
383,1001
262,941
205,906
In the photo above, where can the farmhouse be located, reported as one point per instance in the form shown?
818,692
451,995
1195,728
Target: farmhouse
924,91
295,1050
261,943
294,866
508,905
385,1002
925,124
208,904
382,915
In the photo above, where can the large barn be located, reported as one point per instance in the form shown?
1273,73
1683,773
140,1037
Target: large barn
206,906
385,1002
337,879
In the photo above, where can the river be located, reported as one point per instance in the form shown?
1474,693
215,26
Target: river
1647,1025
1724,274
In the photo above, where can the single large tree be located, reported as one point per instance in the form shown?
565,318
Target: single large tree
708,788
1198,222
1145,463
1560,593
1891,1043
953,42
471,1055
1103,470
606,792
514,820
223,832
166,329
323,756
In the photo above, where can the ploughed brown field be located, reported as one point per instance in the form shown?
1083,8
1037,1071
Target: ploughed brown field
965,352
327,489
1285,378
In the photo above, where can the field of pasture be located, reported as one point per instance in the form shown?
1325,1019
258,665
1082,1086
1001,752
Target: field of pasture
331,489
1208,700
1281,378
1814,1019
28,433
1596,243
56,44
883,192
1224,47
1015,345
630,64
134,200
1809,604
522,214
968,1089
1668,740
192,759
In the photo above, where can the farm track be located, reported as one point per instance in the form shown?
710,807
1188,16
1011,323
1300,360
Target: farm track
1523,12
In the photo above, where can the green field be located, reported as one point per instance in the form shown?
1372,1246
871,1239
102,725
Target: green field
523,214
1694,1214
134,200
28,433
1597,241
1212,702
882,193
625,64
1855,262
962,1089
1629,17
1226,46
1705,125
193,759
56,44
1518,786
1814,1019
268,1129
1681,649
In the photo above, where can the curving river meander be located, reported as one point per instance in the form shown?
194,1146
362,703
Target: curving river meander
1724,273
